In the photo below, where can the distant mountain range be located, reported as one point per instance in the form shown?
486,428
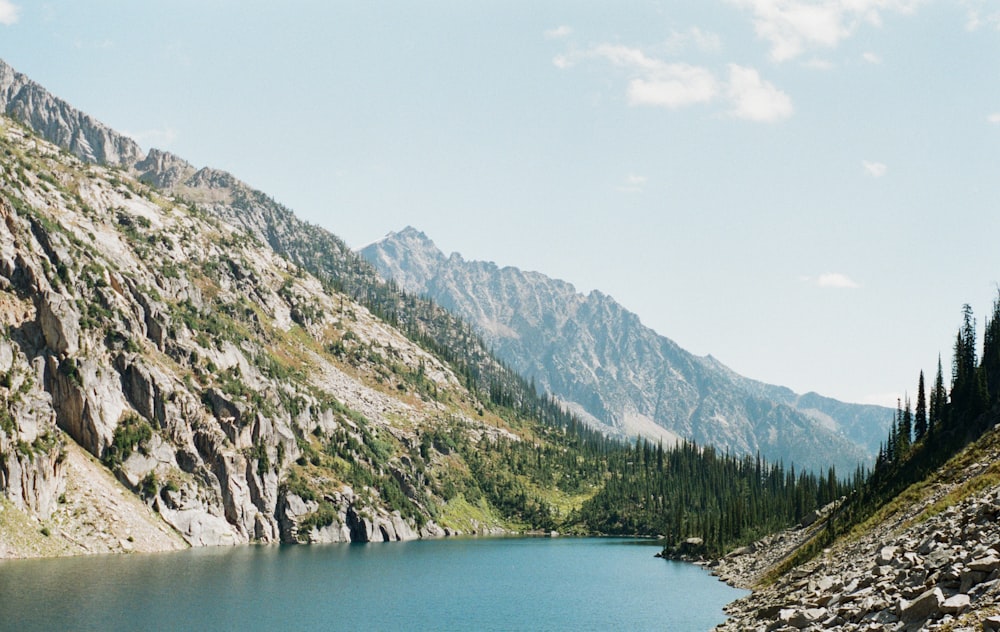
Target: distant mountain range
588,350
621,376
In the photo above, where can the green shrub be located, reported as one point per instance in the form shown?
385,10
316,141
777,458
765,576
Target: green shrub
133,432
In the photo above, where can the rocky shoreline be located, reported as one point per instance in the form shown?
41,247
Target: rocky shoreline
921,569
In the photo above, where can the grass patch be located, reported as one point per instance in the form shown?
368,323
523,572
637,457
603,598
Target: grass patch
989,478
458,514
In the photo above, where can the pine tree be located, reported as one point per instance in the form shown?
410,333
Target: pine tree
963,371
939,401
969,396
906,427
991,352
904,423
920,417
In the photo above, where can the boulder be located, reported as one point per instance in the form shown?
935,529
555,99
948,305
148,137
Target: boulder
956,604
886,555
923,607
986,564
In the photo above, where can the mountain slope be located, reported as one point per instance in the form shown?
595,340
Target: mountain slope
236,374
233,393
927,559
221,195
244,373
599,358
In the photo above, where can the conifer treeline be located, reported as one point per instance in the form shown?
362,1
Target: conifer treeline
683,492
689,491
939,424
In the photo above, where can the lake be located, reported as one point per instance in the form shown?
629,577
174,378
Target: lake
453,584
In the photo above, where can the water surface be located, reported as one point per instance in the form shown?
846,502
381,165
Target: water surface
454,584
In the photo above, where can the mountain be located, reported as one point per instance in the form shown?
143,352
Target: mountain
606,366
184,362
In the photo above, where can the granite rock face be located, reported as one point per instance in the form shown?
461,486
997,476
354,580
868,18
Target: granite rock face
62,124
217,381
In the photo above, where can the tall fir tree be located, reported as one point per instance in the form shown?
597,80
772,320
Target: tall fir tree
991,352
964,376
920,416
939,401
904,425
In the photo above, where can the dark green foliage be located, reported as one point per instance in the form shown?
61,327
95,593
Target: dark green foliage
695,492
324,516
938,403
951,425
920,416
295,484
258,453
69,369
149,485
133,432
7,423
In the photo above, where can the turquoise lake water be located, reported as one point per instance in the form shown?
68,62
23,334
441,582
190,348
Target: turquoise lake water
454,584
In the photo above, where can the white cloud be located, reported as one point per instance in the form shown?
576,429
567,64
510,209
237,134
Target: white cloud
9,12
655,82
658,83
994,118
627,57
872,58
104,44
793,26
754,99
673,86
559,32
874,169
836,280
975,19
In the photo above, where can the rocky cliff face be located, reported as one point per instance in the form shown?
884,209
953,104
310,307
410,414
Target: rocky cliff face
599,359
62,124
237,397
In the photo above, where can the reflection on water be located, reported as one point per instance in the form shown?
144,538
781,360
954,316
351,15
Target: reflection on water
456,584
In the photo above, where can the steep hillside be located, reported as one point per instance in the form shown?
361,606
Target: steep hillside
927,560
231,390
315,250
598,358
184,362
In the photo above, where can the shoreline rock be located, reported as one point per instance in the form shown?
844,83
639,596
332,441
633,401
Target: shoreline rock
910,572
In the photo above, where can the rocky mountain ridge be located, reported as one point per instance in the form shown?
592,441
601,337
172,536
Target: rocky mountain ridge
63,125
599,359
231,392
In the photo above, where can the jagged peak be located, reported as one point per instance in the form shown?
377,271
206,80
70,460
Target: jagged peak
163,169
210,178
415,240
60,123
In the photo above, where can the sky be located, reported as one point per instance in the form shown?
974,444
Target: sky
807,191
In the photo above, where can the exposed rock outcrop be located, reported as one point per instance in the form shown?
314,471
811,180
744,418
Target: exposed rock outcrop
62,124
205,371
